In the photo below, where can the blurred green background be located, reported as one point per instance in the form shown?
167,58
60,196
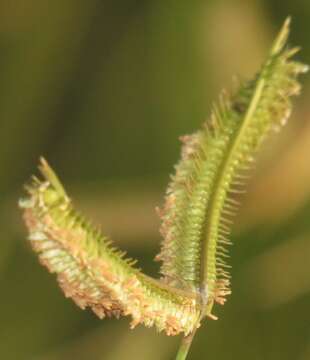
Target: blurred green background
103,89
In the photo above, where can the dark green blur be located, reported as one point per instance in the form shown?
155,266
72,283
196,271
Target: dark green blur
103,89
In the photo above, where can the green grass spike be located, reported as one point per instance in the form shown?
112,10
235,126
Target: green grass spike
93,272
200,201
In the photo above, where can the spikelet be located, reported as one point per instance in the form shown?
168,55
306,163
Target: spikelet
197,215
92,272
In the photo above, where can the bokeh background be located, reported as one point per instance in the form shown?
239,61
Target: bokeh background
103,89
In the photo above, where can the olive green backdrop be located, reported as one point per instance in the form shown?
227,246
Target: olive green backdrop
103,89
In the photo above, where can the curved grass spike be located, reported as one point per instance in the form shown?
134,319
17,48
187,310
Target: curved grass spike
195,219
92,272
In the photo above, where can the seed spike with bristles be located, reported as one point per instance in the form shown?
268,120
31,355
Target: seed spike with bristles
92,271
225,156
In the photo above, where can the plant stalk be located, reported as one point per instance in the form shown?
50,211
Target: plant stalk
185,346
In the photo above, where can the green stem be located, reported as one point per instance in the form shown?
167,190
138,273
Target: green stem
185,346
